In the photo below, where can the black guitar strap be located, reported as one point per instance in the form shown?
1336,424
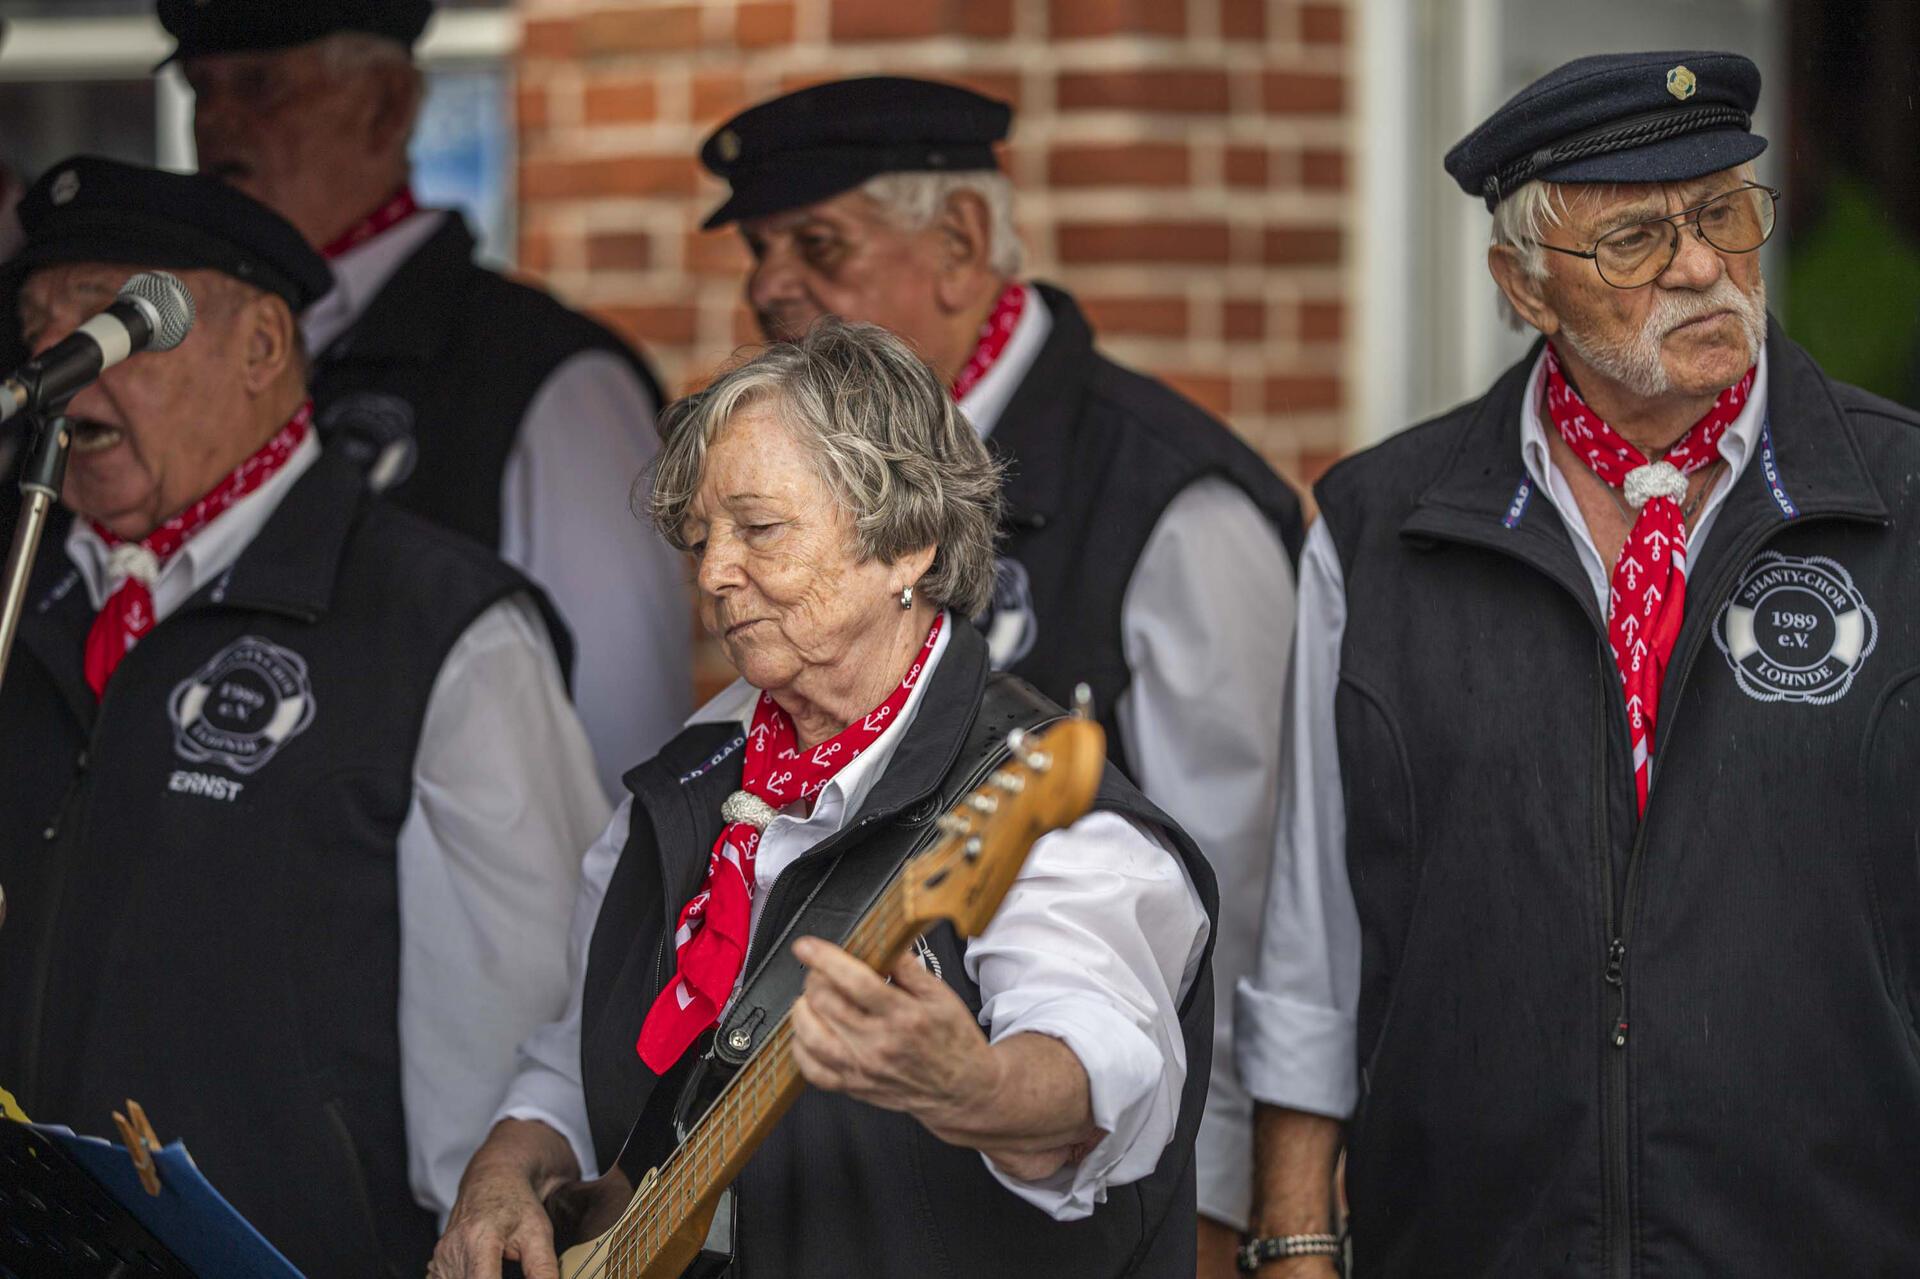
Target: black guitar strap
845,886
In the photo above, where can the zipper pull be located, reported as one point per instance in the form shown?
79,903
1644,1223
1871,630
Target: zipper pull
1616,959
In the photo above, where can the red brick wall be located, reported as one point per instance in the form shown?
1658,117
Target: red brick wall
1182,165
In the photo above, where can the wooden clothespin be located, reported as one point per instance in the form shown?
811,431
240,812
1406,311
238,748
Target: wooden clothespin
142,1145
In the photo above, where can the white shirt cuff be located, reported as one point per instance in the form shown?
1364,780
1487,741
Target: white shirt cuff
1123,1068
1296,1055
1223,1159
540,1094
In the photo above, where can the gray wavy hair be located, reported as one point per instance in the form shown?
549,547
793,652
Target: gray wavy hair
885,436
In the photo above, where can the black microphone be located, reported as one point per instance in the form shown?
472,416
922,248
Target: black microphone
153,312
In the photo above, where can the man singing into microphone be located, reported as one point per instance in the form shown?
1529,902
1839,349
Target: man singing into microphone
290,819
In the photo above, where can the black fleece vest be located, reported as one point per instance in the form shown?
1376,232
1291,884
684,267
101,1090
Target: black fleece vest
428,389
1597,1046
202,907
842,1188
1094,455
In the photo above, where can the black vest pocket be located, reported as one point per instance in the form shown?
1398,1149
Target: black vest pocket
1382,855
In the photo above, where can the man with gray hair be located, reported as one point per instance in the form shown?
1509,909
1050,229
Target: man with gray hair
478,402
1146,551
1595,917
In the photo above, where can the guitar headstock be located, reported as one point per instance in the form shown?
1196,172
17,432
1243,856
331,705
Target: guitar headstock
1049,782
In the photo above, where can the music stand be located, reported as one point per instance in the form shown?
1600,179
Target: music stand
57,1222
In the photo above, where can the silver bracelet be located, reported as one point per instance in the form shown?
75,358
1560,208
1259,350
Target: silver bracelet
1256,1251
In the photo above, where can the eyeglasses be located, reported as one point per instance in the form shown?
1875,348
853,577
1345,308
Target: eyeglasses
1738,222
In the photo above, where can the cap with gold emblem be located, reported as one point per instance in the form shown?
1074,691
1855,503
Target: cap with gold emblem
1616,117
817,142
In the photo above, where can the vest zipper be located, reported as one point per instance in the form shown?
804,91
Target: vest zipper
1620,920
61,852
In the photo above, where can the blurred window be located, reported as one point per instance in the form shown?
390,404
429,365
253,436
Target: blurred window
77,76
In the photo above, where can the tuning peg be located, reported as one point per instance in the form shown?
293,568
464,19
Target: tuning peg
1038,761
1012,783
1017,740
982,803
973,848
1082,702
952,824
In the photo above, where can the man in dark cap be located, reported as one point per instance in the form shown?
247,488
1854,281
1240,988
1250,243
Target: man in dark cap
294,797
1147,551
475,401
1596,915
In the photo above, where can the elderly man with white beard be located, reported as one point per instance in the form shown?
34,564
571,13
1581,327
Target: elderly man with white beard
1594,927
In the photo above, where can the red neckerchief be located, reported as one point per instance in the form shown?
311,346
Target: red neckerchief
1648,595
994,336
128,613
399,207
710,943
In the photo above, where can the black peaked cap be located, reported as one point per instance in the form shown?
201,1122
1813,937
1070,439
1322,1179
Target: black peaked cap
239,26
828,138
89,209
1616,117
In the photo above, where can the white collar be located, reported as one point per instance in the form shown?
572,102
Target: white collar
361,272
207,554
989,397
849,787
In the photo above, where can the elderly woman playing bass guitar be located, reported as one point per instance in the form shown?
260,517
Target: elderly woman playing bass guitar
1023,1103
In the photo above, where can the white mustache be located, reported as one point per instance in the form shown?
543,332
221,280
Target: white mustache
1672,310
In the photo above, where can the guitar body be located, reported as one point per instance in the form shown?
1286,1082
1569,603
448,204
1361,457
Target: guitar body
585,1214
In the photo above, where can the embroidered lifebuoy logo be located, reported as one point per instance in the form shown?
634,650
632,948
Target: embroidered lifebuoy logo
1009,623
243,706
1796,630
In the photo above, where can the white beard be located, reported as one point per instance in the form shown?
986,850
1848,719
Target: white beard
1634,362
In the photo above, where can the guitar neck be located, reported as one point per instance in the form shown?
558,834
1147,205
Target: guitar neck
718,1148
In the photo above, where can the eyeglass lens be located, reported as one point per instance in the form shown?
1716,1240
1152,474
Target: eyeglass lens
1738,222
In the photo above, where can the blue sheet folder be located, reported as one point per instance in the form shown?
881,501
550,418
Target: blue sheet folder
189,1217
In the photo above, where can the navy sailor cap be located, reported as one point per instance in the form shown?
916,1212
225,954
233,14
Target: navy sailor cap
1616,117
243,26
89,209
817,142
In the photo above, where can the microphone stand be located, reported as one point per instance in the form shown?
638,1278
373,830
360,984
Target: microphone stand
40,483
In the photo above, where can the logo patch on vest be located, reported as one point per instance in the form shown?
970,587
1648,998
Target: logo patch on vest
1009,622
375,430
240,708
1796,629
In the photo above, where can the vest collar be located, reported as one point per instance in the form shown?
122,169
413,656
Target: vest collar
1032,434
1808,452
291,567
412,317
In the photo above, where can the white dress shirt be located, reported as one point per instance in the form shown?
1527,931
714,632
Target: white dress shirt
503,792
1295,1016
1206,624
1095,945
566,520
